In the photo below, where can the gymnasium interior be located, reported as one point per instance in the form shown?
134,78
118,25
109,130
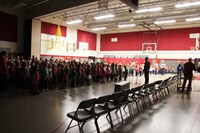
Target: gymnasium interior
77,66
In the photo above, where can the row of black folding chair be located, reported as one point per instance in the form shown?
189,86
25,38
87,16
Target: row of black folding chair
157,88
163,88
94,108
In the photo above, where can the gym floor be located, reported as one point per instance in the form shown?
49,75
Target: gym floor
46,113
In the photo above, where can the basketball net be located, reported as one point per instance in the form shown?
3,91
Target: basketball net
148,49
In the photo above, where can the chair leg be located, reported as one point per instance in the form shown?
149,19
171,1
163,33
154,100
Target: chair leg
81,128
125,107
116,111
97,125
68,126
143,103
149,100
145,100
121,114
156,96
131,109
111,123
165,92
153,96
136,103
168,90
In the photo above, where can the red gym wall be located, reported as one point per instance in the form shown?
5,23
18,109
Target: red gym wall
90,38
8,26
176,39
51,29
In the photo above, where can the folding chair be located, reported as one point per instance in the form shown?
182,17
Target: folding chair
138,94
113,103
99,109
150,90
119,99
81,115
145,95
156,89
133,99
161,88
123,100
165,85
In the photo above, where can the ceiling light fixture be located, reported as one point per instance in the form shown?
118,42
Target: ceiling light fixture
100,28
165,22
104,16
192,19
149,10
74,21
181,5
126,25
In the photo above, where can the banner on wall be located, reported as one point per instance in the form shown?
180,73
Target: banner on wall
52,44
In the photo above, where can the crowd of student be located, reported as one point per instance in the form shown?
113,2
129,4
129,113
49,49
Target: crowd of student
42,75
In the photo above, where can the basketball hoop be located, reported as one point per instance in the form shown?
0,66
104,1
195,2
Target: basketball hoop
148,49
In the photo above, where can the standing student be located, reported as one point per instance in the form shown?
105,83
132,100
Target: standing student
162,67
3,72
35,79
125,73
188,74
146,70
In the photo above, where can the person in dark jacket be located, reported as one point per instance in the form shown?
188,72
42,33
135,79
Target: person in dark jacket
146,70
188,74
125,73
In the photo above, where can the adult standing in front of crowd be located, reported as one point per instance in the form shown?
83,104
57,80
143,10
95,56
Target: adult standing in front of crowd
162,67
188,74
3,72
146,70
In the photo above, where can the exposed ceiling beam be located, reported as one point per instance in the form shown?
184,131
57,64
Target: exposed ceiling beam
52,6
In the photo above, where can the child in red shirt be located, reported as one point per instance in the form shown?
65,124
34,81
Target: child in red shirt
36,78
